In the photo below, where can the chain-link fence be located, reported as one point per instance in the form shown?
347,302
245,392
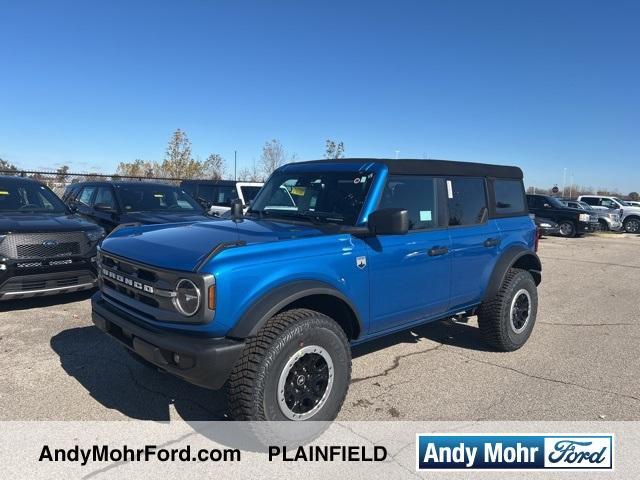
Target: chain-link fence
58,182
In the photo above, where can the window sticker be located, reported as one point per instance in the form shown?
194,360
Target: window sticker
299,191
449,189
425,215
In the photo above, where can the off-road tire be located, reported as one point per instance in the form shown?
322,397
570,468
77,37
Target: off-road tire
253,384
570,229
494,315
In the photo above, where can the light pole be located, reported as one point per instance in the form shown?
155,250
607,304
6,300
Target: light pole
564,180
397,152
235,165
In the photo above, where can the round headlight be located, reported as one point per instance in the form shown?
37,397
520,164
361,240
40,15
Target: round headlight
187,299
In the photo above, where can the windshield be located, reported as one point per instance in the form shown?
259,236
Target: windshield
333,197
148,198
249,192
555,202
28,197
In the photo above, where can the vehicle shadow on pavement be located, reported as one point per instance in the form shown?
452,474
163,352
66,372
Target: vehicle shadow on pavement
43,302
119,382
446,332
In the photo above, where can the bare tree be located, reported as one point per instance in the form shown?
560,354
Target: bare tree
214,167
7,166
273,156
634,196
333,149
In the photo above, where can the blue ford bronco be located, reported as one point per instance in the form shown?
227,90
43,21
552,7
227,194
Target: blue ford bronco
331,253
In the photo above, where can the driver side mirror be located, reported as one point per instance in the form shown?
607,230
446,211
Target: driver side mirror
389,221
237,209
546,205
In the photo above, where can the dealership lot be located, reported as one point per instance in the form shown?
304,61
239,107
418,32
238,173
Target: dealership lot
581,362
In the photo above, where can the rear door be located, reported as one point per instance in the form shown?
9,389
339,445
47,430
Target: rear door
409,274
475,240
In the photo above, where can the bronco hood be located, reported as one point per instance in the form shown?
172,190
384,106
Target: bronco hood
183,246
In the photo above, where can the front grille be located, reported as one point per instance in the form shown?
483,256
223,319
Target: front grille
44,245
144,291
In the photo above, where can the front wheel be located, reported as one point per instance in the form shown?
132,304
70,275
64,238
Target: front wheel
604,226
506,320
567,229
632,225
298,367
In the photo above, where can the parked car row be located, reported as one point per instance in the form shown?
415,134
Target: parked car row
585,214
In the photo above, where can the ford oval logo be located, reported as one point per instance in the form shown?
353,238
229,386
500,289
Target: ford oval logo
50,243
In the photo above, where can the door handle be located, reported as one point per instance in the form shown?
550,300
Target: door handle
435,251
491,242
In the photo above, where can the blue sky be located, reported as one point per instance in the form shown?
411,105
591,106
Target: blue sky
545,85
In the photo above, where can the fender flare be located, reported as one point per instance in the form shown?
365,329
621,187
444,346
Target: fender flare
508,258
275,300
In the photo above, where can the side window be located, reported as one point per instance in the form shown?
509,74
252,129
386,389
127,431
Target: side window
467,200
85,195
105,197
509,196
415,193
590,200
605,202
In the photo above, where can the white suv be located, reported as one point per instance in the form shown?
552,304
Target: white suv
629,214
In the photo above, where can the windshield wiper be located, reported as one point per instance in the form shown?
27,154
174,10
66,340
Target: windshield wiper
314,217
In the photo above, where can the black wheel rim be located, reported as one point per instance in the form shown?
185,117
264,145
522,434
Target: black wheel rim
305,383
520,310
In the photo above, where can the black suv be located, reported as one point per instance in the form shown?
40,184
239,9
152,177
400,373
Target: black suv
113,203
572,221
44,248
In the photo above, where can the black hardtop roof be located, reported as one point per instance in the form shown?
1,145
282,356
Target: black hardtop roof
210,182
412,166
124,183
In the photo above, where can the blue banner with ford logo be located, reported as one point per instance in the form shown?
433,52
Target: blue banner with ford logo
514,452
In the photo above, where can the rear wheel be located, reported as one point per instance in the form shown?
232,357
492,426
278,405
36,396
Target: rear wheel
298,367
506,320
567,229
632,225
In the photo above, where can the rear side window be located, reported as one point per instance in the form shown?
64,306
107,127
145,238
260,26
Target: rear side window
415,193
105,197
509,196
467,201
590,200
85,195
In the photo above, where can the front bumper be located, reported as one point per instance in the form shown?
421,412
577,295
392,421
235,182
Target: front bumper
36,278
206,362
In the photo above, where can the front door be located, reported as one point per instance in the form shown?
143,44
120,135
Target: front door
410,274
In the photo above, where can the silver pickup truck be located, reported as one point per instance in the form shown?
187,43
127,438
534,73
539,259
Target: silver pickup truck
629,215
608,219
